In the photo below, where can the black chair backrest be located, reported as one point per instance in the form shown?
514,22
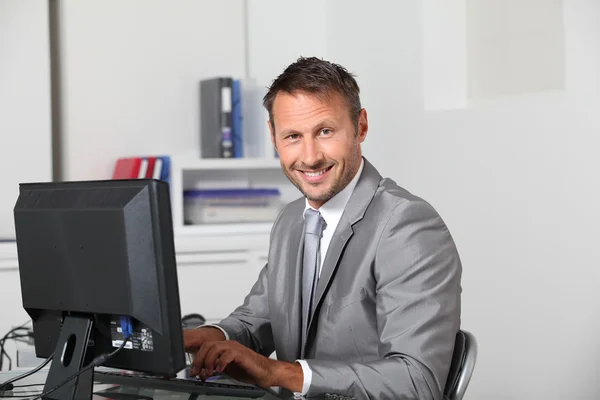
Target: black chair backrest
458,357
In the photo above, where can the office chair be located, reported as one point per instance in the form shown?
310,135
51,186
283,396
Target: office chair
462,366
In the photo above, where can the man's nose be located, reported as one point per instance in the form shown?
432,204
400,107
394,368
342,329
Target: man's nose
312,153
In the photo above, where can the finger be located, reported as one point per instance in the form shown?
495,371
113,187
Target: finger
226,358
202,375
213,354
198,362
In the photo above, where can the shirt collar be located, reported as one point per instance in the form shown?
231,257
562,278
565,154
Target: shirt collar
332,210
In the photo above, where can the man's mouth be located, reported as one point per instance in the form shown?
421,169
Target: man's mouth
315,176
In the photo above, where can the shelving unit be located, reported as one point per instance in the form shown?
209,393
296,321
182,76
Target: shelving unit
190,164
194,173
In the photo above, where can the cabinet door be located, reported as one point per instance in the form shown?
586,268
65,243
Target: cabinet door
214,284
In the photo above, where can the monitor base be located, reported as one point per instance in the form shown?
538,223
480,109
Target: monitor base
69,358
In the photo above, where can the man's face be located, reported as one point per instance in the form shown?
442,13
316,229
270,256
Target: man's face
318,145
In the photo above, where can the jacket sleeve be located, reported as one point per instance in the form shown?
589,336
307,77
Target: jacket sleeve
249,324
418,272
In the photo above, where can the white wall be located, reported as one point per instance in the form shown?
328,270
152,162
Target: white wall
444,67
131,72
515,179
25,130
513,176
278,33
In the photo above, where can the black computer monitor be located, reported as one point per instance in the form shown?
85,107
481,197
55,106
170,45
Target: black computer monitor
94,255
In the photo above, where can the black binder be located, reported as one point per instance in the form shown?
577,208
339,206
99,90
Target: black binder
216,135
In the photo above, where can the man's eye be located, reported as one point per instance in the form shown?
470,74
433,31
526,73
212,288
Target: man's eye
293,136
325,131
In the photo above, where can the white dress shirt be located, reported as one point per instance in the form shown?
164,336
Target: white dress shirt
332,212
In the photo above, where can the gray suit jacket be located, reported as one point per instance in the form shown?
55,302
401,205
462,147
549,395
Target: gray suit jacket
387,303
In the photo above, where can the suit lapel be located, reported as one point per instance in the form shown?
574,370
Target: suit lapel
294,282
355,210
343,233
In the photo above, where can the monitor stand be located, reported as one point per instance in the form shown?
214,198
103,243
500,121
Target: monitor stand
69,358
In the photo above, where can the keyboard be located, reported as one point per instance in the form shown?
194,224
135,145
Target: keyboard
190,385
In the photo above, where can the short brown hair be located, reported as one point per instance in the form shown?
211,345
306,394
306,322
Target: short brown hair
319,77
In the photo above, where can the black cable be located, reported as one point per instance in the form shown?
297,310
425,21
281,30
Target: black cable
98,361
101,359
15,337
20,327
29,385
3,352
15,396
6,337
3,386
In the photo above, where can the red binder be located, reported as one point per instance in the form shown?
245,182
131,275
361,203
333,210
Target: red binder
150,170
127,168
152,167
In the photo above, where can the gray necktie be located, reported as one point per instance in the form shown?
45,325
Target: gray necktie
313,222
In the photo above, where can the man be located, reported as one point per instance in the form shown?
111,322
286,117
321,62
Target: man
361,293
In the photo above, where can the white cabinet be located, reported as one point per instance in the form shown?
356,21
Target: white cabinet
214,288
215,273
12,313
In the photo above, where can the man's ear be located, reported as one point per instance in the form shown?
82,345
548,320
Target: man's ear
363,126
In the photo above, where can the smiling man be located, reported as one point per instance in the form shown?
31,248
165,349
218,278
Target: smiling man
361,293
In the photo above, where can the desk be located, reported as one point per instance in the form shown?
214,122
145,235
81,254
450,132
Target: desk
36,384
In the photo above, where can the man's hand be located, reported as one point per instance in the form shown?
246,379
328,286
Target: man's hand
194,338
245,365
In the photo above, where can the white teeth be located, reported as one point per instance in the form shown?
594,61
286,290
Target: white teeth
312,174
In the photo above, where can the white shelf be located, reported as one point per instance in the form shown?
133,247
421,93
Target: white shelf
228,164
238,229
